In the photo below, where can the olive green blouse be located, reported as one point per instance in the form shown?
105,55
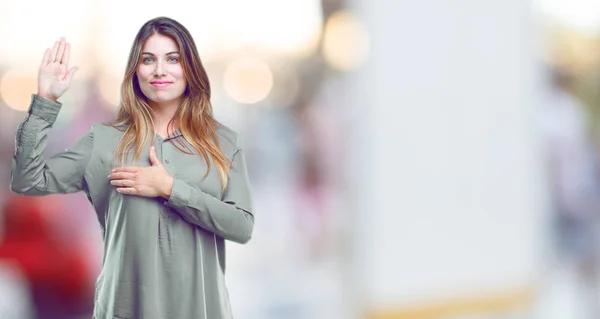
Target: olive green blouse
162,258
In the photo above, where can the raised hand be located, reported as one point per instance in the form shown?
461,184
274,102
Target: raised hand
54,75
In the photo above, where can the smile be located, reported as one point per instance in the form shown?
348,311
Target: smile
160,84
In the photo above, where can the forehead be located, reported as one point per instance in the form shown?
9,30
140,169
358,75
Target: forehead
158,44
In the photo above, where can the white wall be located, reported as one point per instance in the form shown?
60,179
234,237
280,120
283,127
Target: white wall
447,173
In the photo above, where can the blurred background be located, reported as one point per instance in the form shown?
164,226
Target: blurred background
409,159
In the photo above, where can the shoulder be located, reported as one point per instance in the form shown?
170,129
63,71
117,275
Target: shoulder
228,139
109,127
226,134
105,131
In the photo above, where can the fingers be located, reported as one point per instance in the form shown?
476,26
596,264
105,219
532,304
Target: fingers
66,55
121,175
61,50
54,52
130,169
127,190
123,183
69,74
153,157
46,58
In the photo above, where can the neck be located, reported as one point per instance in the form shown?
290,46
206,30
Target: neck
163,113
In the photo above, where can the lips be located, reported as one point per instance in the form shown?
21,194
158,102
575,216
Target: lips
160,84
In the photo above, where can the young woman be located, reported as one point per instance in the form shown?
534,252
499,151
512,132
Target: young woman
168,182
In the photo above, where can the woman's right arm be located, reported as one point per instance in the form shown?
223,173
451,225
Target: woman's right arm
31,174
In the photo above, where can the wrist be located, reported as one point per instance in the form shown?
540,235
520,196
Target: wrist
168,188
47,97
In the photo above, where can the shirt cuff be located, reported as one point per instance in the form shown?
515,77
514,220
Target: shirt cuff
180,194
43,108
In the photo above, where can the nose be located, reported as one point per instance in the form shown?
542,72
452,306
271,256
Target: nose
160,69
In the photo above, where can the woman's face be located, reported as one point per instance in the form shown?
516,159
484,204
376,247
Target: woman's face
160,73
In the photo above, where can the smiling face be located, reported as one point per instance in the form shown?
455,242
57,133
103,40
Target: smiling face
160,73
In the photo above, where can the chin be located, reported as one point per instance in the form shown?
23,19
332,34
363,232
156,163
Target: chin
166,99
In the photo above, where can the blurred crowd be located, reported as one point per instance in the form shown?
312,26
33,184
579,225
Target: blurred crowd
572,153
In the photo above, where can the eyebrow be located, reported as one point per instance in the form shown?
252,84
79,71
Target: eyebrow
148,53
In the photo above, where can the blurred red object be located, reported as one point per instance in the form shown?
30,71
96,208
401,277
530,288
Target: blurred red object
56,272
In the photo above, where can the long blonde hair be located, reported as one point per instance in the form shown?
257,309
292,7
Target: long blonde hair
194,118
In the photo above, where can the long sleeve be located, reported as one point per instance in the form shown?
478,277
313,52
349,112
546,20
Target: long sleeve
30,173
231,217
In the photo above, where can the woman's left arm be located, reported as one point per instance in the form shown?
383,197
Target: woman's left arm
230,217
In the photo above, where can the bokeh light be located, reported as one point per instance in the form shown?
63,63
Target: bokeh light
20,82
248,80
295,29
345,41
16,87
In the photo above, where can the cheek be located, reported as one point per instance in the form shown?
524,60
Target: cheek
179,75
177,72
143,83
140,79
143,73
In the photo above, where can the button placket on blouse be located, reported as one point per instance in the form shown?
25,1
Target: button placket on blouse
165,157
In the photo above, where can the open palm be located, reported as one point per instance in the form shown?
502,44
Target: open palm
54,76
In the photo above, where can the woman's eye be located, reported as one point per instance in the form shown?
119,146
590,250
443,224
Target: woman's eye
173,59
147,60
